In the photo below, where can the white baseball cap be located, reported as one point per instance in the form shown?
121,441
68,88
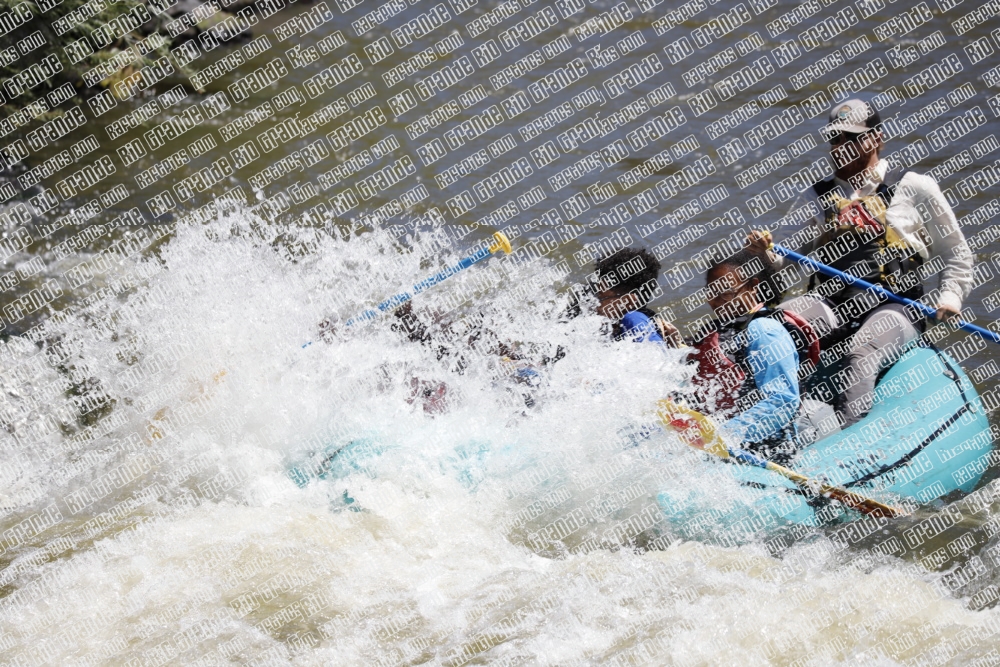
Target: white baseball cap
855,116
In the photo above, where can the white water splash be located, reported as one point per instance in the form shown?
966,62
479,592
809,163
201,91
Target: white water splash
183,539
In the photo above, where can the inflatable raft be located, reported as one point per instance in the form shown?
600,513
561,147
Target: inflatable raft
926,436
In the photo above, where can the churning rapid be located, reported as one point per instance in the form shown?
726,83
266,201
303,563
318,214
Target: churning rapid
481,514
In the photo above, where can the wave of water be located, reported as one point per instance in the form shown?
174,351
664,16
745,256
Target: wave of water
151,517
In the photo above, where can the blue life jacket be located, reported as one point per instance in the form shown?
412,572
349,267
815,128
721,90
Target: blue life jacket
638,327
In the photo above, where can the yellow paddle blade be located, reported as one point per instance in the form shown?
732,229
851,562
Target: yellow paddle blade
696,429
501,243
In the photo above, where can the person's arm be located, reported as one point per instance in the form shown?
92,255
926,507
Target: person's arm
947,241
772,357
759,242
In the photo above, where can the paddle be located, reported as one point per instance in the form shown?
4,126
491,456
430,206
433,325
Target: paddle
878,289
302,476
700,432
500,242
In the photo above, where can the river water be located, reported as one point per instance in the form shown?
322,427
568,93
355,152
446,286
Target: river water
152,443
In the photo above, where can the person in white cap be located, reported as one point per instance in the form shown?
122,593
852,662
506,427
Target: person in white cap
878,222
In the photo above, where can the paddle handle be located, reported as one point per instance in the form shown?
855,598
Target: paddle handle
878,289
500,242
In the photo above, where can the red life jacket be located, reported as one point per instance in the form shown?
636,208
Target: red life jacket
723,378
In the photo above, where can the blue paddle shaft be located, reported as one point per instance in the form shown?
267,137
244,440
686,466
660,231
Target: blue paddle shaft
878,289
399,299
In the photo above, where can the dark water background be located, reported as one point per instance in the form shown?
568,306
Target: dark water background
891,52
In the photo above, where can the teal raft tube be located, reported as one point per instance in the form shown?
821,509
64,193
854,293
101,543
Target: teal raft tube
340,460
926,436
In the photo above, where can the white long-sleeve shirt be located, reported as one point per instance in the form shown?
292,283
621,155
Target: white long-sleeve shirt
922,217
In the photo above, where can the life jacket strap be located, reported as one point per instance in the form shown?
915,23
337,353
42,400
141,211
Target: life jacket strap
866,219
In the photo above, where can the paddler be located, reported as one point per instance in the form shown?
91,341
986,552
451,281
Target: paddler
478,341
625,283
747,359
881,223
